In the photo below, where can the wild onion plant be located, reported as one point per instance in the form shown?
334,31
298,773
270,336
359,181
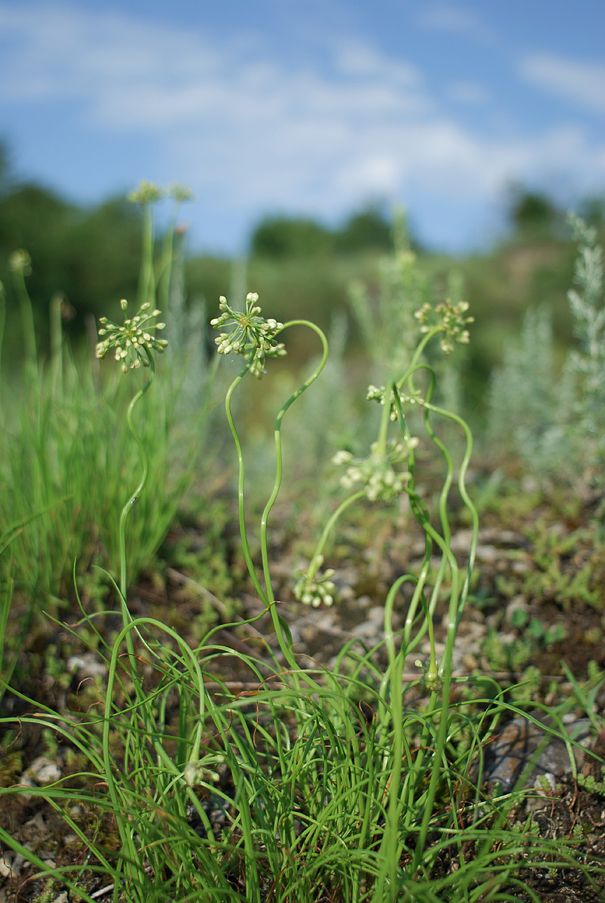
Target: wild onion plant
291,782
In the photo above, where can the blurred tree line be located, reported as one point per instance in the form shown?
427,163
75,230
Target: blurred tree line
91,255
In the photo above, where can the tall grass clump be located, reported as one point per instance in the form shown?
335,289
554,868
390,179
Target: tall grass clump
66,452
360,782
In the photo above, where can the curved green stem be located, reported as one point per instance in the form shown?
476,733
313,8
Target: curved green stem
385,419
270,597
334,517
418,354
457,600
390,847
241,481
126,618
143,480
461,484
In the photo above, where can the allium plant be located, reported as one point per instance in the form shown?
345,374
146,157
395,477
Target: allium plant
385,474
133,344
253,337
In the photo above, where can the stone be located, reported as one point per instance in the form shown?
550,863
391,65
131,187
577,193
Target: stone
41,771
522,745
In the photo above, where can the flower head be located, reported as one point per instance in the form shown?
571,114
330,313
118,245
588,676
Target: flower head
450,319
316,588
381,474
145,193
179,193
20,262
248,333
134,341
378,393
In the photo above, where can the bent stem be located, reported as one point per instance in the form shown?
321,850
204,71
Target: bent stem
144,474
241,485
390,848
126,618
280,627
458,596
317,556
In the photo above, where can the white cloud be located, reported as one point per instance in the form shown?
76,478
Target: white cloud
581,83
453,19
468,92
250,130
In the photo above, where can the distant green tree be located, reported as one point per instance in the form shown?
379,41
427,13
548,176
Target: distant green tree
281,237
91,255
592,211
101,254
533,212
368,229
36,219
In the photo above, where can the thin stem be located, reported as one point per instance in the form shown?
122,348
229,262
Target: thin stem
28,327
166,264
56,344
270,597
389,850
141,484
241,482
418,354
457,601
147,278
334,517
126,618
385,419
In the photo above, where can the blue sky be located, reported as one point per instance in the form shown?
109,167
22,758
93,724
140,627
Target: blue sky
309,107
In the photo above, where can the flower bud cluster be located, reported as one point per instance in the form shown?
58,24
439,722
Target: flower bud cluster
20,262
315,589
148,193
380,474
145,193
134,340
378,393
247,333
450,318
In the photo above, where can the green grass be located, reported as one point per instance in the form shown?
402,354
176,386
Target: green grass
67,456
